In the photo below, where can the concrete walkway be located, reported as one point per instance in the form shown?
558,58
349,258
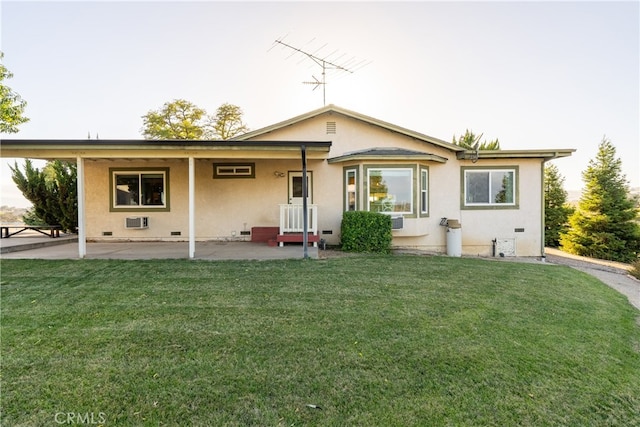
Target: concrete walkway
614,274
35,247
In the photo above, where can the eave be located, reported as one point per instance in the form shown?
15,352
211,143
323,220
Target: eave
387,154
545,154
64,149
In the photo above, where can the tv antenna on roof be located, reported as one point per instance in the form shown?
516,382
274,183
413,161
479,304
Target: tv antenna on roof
326,64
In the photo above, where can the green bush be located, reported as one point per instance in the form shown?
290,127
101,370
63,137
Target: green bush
366,232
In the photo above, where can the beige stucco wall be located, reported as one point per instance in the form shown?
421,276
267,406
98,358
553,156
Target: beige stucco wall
227,207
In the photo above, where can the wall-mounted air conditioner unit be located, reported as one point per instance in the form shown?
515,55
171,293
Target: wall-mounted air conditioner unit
397,222
136,222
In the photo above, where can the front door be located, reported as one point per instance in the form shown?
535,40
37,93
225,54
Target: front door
295,188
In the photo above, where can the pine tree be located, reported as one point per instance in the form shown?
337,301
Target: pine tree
556,210
604,224
52,191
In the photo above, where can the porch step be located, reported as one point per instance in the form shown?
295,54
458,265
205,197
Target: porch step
297,238
264,234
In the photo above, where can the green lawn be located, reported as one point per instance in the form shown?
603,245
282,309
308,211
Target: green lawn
371,341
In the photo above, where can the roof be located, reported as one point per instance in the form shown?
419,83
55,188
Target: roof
387,153
333,109
71,148
546,154
461,153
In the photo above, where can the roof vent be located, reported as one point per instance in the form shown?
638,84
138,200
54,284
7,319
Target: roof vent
331,128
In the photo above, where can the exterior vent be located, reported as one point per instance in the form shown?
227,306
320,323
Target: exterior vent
397,223
136,222
331,127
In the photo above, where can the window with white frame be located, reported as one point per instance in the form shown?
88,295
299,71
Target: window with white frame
139,189
390,190
424,191
489,187
350,190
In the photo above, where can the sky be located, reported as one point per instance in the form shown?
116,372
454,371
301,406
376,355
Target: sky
532,74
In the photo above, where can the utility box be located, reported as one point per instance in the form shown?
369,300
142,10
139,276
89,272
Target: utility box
454,238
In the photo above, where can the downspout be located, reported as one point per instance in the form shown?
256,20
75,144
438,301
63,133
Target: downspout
305,215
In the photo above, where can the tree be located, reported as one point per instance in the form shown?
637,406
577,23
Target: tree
556,210
469,141
181,119
11,104
52,191
604,224
178,119
227,122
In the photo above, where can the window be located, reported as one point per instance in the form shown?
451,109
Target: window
489,187
390,190
350,180
139,189
234,170
424,191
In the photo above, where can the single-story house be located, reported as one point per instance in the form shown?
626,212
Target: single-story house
252,187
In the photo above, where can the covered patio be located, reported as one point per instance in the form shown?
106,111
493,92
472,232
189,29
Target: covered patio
186,211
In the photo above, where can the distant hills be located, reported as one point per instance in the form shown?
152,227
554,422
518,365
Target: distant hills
573,196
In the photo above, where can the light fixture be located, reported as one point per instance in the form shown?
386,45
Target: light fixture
279,174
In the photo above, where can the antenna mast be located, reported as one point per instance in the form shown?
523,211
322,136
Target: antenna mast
324,64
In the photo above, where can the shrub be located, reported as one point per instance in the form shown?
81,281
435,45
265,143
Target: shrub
366,232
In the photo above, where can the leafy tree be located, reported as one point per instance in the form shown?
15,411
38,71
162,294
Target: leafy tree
181,119
11,104
227,122
604,224
469,140
178,119
52,191
556,209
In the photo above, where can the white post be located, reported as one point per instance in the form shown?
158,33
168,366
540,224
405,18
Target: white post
82,233
192,208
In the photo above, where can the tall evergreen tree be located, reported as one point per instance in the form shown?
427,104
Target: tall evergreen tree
604,224
556,210
52,191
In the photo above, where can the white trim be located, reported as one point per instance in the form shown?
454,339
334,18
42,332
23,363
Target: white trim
192,208
82,234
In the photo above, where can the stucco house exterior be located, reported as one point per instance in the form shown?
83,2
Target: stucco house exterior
252,187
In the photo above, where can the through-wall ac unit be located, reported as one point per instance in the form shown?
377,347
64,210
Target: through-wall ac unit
136,222
397,222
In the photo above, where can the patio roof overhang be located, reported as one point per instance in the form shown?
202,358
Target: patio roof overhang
164,149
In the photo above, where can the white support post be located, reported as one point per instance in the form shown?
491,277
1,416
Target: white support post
82,233
192,208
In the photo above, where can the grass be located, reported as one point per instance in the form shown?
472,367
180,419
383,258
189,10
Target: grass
376,340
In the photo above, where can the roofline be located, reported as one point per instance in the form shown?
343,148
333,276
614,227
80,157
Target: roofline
164,143
374,156
352,114
546,154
